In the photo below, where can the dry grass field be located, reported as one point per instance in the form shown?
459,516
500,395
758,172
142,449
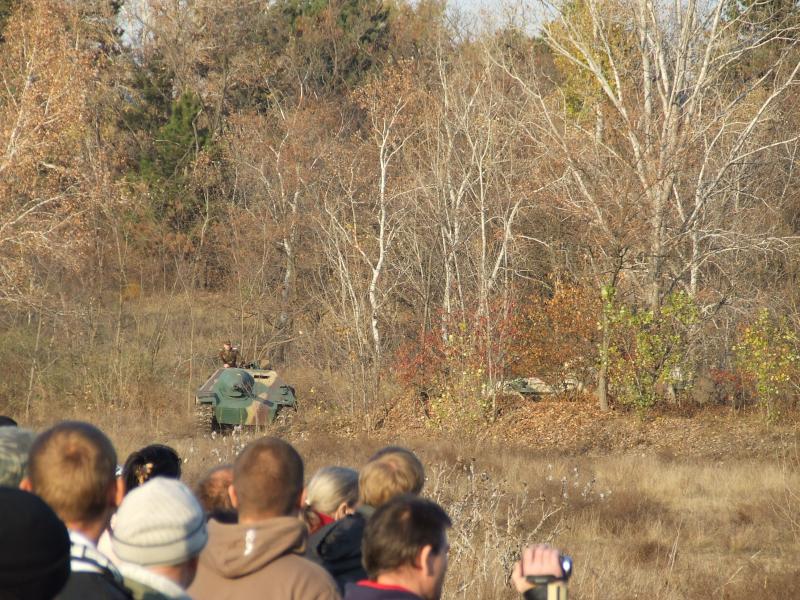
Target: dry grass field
687,503
645,521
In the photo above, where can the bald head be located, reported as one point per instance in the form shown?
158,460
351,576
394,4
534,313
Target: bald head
267,479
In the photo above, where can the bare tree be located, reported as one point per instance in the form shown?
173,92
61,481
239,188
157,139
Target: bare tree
274,157
655,136
52,172
668,118
364,209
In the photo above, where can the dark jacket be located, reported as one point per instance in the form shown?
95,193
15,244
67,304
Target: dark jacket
369,590
92,574
337,547
259,560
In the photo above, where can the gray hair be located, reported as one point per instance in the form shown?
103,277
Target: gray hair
330,486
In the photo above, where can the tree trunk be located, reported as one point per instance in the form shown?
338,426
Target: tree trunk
602,377
284,319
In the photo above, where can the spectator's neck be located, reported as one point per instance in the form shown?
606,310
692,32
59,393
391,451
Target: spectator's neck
403,579
246,518
91,530
182,574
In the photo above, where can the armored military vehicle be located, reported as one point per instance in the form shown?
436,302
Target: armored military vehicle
232,397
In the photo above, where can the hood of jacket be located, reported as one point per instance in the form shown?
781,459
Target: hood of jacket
339,541
237,549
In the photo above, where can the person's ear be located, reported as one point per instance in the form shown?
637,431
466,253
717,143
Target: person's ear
119,491
341,511
116,492
25,485
232,495
303,497
425,559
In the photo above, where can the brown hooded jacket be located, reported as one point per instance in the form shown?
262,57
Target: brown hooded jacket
260,560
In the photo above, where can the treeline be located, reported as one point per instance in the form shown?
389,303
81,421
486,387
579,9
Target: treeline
596,191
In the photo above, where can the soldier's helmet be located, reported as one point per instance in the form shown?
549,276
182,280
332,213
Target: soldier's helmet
236,383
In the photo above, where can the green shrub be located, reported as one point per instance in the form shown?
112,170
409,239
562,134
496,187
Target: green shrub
767,354
649,350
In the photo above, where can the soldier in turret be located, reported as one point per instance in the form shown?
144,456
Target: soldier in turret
229,355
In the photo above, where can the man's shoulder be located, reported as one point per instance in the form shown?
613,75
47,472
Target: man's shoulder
290,576
300,565
142,591
306,578
82,585
93,575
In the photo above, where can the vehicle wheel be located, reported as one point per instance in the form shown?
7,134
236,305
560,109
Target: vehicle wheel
204,419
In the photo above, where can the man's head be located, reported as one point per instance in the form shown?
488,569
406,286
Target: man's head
161,524
389,473
34,551
212,492
72,467
405,542
267,480
15,444
226,344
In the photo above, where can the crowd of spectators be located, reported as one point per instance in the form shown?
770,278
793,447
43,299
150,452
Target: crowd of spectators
74,525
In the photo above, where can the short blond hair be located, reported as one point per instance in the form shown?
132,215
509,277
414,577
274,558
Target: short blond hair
268,478
330,486
72,467
391,472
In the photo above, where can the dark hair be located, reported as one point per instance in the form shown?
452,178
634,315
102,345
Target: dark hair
399,529
7,421
268,478
156,460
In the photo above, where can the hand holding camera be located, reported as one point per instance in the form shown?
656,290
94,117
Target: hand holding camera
542,573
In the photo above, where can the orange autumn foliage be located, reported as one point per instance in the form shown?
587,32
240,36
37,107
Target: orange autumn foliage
558,335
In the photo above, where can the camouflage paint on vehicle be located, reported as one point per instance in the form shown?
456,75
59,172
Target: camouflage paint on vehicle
242,397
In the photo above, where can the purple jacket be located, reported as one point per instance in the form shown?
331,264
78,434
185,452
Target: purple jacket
369,590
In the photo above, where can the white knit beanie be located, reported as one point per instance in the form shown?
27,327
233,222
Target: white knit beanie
159,523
